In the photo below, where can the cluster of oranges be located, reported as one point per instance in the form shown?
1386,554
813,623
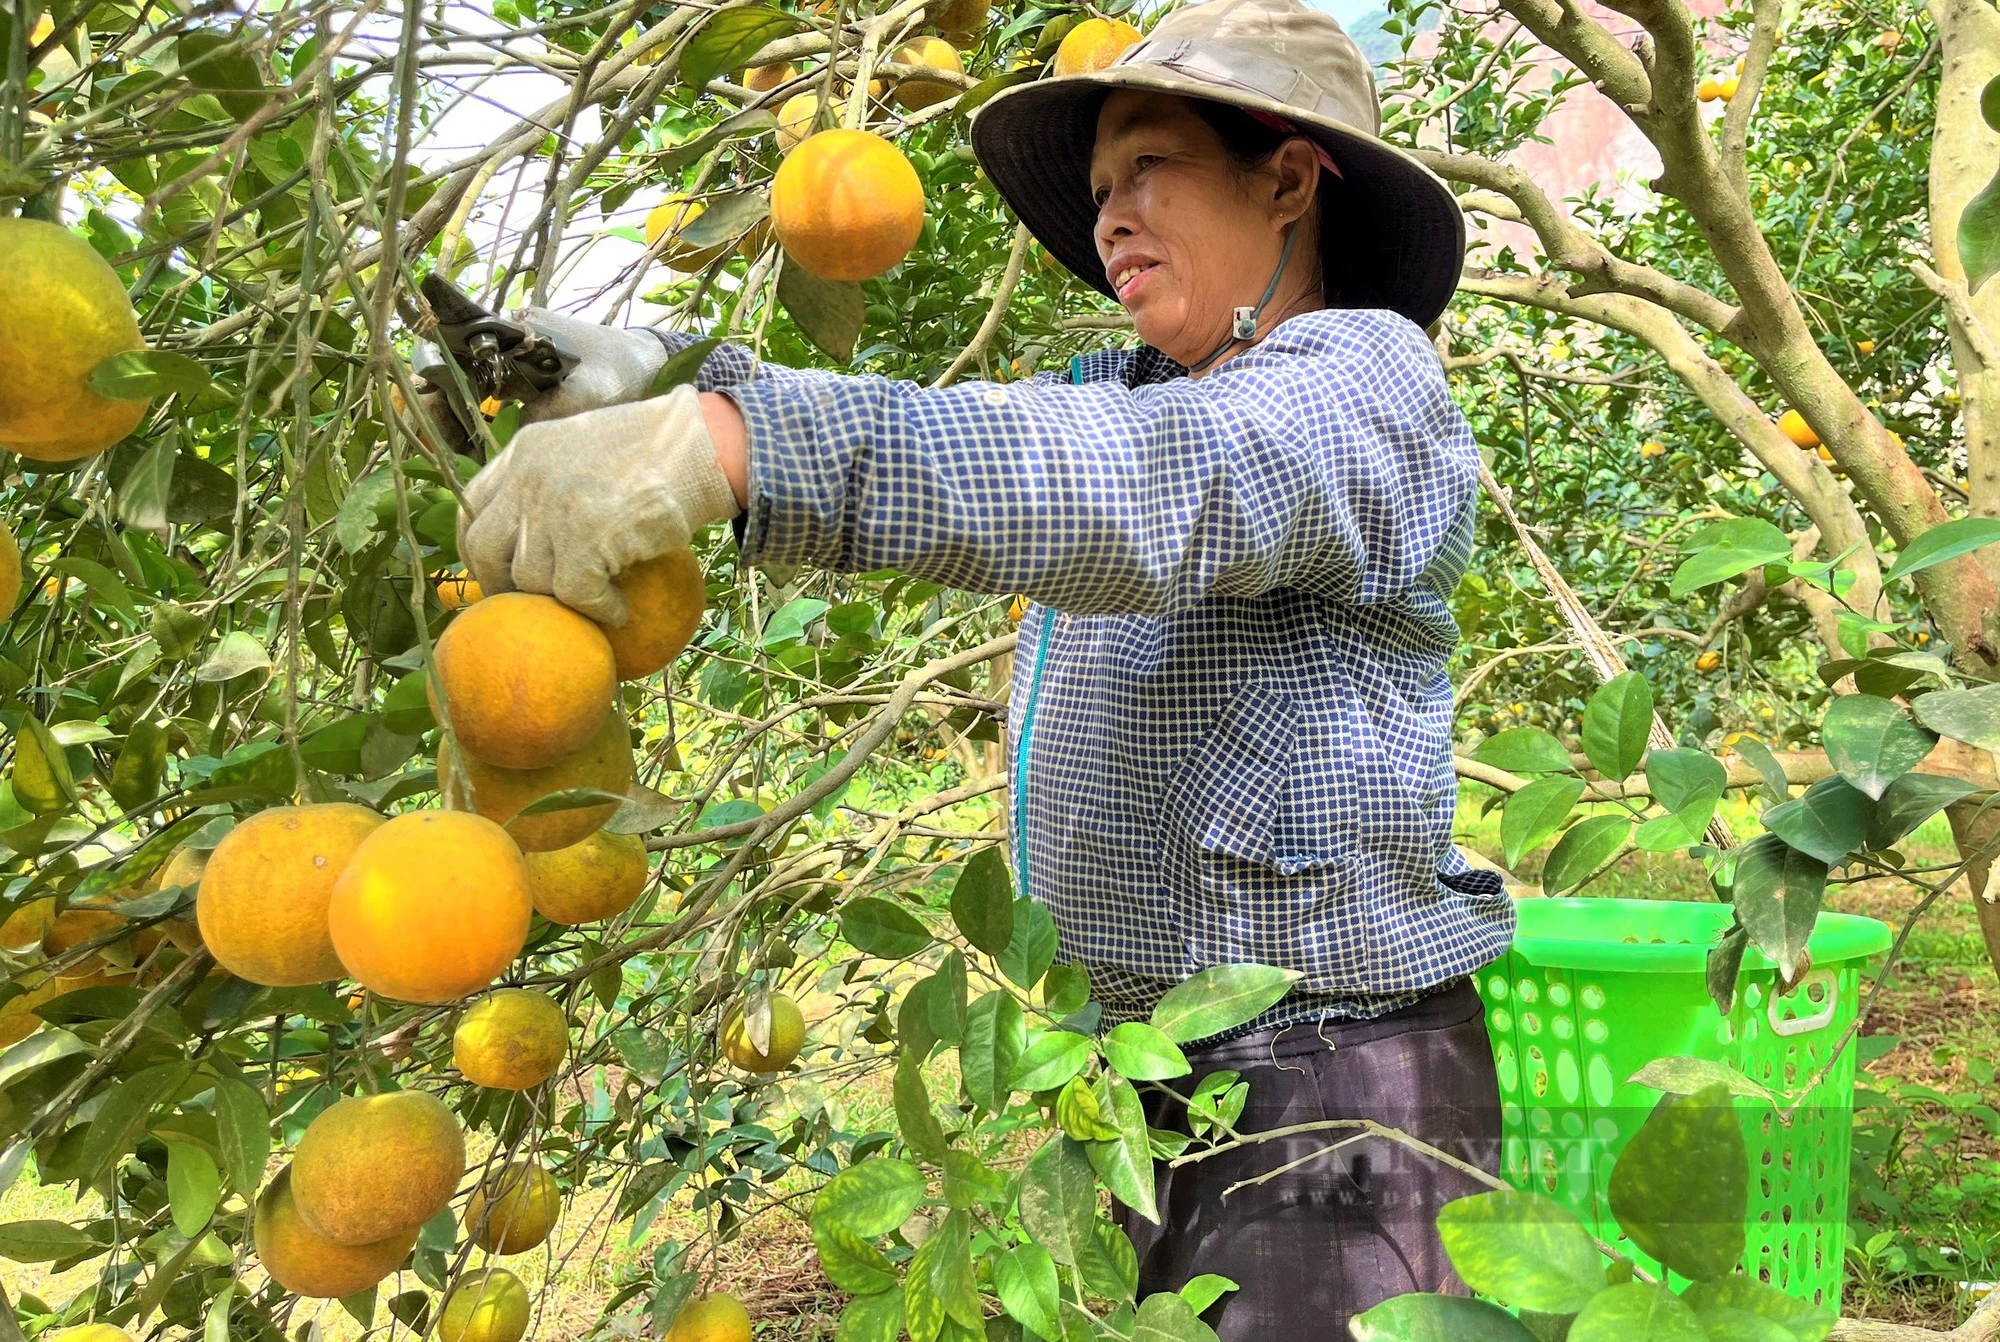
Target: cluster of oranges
846,204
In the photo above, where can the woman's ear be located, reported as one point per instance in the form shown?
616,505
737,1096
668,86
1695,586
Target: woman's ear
1296,164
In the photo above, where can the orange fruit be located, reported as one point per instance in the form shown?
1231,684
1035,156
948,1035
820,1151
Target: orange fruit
1708,661
512,1039
1708,91
371,1166
520,1213
307,1263
1729,88
63,311
671,216
711,1318
959,18
664,598
1092,45
526,679
1793,425
262,907
795,120
10,571
1652,449
788,1036
91,1332
1017,609
847,205
764,78
600,877
604,763
1865,346
934,53
17,1014
433,905
490,1305
1888,39
1825,454
456,591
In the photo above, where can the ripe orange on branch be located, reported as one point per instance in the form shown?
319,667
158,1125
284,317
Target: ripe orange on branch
600,877
936,54
711,1318
490,1305
263,902
672,216
372,1166
1092,45
604,764
432,906
63,311
788,1036
515,1209
514,1039
1793,425
307,1263
847,205
526,679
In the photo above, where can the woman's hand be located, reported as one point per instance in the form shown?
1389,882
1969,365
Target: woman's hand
574,502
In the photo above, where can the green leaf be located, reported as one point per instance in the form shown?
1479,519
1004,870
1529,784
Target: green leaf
872,1197
849,1261
221,63
872,1318
1165,1317
1535,812
1681,779
1024,1278
1059,1199
731,37
1688,1076
1829,822
1776,890
1636,1312
1616,724
1737,533
1220,998
406,708
877,927
1776,785
42,779
1202,1291
1125,1163
142,374
830,313
982,902
1524,750
141,766
194,1187
1871,741
1805,1321
682,366
1979,236
44,1241
946,999
1693,1226
1079,1113
1736,1325
1911,800
914,1116
1706,567
243,1131
1523,1250
1583,848
1438,1318
970,100
1943,542
1033,947
1052,1060
792,619
177,630
358,523
131,1101
995,1036
1971,716
237,654
143,493
1144,1053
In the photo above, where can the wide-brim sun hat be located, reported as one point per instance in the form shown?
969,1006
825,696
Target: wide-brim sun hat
1402,244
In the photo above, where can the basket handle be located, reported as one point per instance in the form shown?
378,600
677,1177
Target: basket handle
1807,1024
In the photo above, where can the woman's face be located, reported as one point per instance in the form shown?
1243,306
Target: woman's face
1185,235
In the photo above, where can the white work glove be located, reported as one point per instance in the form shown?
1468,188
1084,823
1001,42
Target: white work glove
573,503
616,366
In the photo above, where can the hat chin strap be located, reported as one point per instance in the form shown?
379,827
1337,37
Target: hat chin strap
1244,327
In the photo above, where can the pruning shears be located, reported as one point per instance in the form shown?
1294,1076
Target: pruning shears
502,359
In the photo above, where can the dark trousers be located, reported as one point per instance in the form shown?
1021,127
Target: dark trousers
1324,1241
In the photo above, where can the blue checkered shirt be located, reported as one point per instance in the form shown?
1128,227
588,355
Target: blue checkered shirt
1230,716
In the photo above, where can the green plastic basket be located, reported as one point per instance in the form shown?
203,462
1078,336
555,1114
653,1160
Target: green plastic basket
1594,989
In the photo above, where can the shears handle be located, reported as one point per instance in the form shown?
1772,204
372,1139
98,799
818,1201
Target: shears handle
501,358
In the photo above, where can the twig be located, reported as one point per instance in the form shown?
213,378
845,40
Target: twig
994,313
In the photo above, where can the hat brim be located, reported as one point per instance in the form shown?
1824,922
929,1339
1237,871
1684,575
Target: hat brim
1403,248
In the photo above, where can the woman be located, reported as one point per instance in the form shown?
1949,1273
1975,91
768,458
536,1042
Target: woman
1230,718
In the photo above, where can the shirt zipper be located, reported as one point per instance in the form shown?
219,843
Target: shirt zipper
1021,754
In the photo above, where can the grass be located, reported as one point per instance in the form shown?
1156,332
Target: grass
1924,1118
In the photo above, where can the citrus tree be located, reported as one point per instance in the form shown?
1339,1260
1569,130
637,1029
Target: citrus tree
357,922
